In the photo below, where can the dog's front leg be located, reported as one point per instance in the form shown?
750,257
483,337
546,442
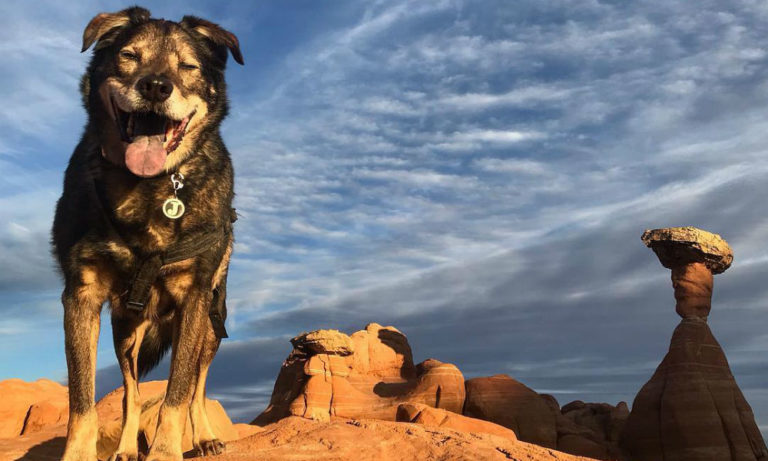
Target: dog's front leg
82,311
189,323
128,330
203,438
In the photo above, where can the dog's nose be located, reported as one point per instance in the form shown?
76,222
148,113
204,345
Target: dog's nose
155,88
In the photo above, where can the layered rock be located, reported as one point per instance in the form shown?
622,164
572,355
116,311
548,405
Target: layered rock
31,407
364,375
692,408
422,414
505,401
152,393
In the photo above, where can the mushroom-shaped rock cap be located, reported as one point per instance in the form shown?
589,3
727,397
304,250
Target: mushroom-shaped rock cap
679,246
331,342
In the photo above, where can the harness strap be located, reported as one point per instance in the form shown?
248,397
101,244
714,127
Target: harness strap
191,247
149,269
143,278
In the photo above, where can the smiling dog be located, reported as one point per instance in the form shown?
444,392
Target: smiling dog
145,223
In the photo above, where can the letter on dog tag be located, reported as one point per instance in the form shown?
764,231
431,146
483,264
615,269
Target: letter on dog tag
173,208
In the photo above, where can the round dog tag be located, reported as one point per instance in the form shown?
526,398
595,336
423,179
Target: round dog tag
173,208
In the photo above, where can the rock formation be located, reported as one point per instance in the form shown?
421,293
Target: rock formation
509,403
31,407
692,408
294,439
110,412
435,417
364,375
585,429
591,429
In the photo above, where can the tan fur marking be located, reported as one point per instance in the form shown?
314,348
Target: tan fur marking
127,206
170,427
143,45
194,128
128,444
96,283
179,285
162,236
179,266
119,250
89,276
82,431
221,271
201,427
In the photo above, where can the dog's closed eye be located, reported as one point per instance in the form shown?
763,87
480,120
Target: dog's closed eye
127,54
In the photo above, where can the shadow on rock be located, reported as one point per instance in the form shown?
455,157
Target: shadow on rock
50,450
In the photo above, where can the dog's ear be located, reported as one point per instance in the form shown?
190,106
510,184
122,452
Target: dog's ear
215,34
105,26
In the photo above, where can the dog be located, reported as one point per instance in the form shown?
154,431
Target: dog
144,224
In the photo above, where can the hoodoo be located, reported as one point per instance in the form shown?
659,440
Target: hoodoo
692,409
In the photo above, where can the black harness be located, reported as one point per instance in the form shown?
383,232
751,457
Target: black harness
148,268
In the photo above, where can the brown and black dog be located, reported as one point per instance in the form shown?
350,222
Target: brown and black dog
145,223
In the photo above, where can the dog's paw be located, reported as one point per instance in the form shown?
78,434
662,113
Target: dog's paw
73,456
210,447
127,457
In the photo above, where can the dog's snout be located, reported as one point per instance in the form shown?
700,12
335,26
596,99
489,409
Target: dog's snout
155,88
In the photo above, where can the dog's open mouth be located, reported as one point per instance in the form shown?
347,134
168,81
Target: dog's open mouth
149,138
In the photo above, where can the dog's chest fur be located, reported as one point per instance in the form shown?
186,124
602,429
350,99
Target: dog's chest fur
136,206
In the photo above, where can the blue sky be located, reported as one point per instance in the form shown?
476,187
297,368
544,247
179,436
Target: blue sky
476,173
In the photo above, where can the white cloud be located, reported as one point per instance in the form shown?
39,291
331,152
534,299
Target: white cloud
518,166
526,96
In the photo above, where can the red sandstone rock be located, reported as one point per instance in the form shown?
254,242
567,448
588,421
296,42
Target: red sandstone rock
300,439
294,439
551,401
583,446
45,414
509,403
692,407
591,429
152,393
693,290
246,430
364,375
422,414
41,404
601,418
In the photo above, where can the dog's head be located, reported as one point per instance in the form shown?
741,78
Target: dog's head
155,88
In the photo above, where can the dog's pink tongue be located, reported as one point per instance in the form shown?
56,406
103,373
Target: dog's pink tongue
145,156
